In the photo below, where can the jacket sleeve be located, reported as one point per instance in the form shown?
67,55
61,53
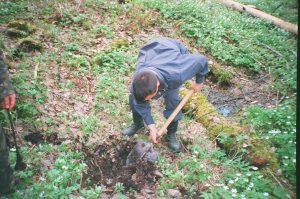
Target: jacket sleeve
144,110
6,87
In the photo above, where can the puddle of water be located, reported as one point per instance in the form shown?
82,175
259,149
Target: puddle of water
225,110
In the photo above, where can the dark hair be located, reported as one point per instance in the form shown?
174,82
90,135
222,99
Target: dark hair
144,83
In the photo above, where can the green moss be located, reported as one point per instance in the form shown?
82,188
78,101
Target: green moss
118,43
260,153
20,28
221,75
13,32
227,132
29,44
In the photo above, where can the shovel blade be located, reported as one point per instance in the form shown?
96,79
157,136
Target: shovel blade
142,150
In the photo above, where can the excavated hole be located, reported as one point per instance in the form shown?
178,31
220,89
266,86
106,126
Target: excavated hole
107,166
38,137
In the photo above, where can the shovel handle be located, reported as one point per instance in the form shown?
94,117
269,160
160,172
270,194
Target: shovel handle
175,112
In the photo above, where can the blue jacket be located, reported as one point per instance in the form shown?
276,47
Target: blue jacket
173,65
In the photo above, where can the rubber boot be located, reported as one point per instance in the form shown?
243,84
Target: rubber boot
135,126
173,143
7,179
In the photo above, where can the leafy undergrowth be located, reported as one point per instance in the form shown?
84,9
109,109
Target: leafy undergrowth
73,100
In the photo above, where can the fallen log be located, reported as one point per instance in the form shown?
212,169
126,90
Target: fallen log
259,152
257,13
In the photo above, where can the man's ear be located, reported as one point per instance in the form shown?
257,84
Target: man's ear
158,83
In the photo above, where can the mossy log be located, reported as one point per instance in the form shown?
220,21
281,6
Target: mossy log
118,43
20,28
29,44
229,134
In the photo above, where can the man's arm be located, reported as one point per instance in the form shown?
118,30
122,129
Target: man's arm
144,110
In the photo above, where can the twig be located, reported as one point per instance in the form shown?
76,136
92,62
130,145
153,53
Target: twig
183,146
294,53
271,49
36,68
275,178
277,8
277,99
80,180
244,79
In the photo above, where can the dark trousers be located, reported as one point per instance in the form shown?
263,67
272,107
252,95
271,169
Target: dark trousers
6,172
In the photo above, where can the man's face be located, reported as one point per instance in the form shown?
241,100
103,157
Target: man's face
149,97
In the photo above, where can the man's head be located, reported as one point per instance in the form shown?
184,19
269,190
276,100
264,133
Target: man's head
145,85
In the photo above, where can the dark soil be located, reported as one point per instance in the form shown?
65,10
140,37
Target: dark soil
107,166
37,138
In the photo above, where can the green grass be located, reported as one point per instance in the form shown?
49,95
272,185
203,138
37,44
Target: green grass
9,9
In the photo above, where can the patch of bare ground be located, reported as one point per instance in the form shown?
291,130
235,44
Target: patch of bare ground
106,166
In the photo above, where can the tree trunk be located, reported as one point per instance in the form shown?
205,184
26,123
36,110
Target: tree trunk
257,13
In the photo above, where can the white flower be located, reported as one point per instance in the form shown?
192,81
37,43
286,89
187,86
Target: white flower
64,167
251,185
274,131
42,179
266,194
286,157
230,182
233,191
254,168
225,187
238,174
294,160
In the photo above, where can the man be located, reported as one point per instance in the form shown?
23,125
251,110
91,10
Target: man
163,65
7,98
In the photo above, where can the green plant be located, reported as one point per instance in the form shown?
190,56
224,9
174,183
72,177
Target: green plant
277,126
92,193
89,124
119,187
102,29
9,9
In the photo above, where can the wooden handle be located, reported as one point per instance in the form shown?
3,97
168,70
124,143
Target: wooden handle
175,112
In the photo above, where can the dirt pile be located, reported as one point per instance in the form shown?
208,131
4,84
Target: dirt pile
107,166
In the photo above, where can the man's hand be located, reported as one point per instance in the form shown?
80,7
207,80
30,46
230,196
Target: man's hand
196,87
153,133
9,101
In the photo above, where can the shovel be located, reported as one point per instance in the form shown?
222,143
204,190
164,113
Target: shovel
145,150
20,165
